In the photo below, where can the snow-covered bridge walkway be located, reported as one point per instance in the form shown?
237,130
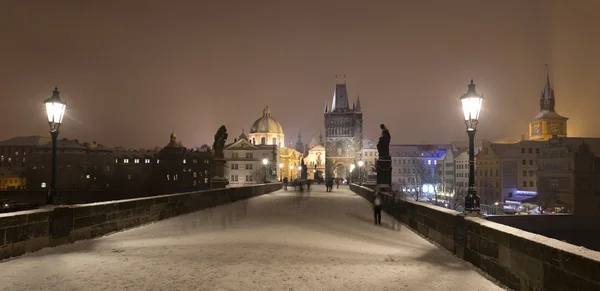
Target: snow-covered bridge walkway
279,241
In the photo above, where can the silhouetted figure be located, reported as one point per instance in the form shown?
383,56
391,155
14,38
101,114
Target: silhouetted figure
285,183
337,183
377,205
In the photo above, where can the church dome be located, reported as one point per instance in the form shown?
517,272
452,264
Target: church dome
266,124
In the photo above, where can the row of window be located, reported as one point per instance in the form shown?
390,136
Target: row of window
248,155
147,161
10,160
537,150
236,166
234,178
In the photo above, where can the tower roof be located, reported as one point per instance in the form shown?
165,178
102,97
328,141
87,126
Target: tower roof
340,98
547,102
357,108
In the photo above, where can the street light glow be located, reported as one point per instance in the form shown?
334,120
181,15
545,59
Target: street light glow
280,165
55,109
265,162
352,166
361,163
471,105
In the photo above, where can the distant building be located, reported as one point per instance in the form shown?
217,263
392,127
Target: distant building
14,151
315,162
547,123
343,133
568,176
245,162
414,168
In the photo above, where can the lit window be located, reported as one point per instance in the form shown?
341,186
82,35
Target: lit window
16,153
205,180
43,184
147,161
429,162
184,161
116,161
157,161
137,161
194,174
168,178
9,159
125,161
129,176
87,176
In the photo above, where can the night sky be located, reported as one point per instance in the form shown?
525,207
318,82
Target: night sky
132,71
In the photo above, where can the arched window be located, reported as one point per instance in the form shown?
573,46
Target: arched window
262,140
274,140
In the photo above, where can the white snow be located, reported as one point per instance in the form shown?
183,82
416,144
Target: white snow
279,241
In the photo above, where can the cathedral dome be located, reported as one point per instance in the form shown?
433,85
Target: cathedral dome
266,124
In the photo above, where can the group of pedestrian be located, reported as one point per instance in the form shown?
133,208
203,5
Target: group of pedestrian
329,184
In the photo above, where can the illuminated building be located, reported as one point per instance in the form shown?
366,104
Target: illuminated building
547,123
266,131
12,178
343,133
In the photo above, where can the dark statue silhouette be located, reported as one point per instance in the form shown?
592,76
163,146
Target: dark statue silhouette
383,146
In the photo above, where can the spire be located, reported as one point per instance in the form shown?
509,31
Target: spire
326,106
547,99
299,135
357,109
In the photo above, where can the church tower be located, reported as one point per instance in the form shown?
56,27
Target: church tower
343,133
547,123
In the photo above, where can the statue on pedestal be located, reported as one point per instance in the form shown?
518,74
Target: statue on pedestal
383,146
219,143
218,179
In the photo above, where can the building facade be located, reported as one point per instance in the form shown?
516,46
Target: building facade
343,133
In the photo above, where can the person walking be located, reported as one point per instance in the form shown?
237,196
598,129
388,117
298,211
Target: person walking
337,183
285,183
377,205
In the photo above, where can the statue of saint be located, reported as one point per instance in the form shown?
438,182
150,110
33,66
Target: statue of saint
219,144
383,146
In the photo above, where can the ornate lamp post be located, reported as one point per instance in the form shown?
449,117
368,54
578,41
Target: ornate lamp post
280,172
265,162
55,109
360,165
471,105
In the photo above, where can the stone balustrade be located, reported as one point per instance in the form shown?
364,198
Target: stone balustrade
518,259
28,231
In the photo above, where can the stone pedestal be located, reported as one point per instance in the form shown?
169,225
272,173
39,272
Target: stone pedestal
218,179
384,171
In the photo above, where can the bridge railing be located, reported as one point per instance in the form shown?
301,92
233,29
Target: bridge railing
28,231
521,260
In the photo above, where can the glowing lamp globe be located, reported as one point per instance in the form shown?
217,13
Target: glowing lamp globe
361,163
55,109
281,165
265,162
471,105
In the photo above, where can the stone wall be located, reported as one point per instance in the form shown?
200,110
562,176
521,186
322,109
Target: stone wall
521,260
28,231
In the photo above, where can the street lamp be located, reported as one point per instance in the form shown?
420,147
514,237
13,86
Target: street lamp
265,162
471,105
55,109
360,165
280,172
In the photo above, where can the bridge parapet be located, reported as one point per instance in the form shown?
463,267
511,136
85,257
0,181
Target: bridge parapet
519,259
28,231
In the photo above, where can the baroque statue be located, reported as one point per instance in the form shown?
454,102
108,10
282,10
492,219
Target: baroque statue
383,146
219,143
